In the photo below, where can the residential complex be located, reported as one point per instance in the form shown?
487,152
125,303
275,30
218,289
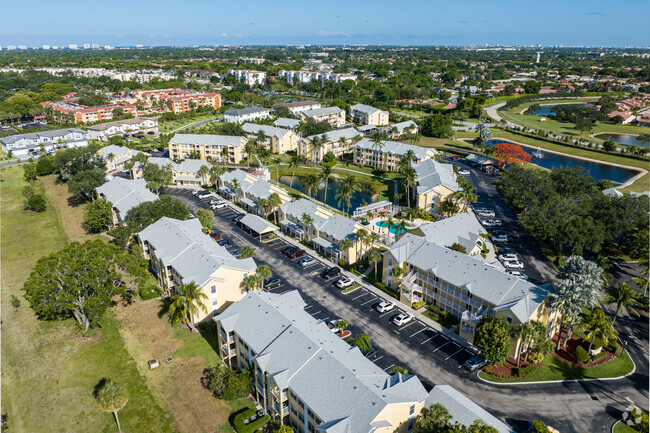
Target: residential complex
124,195
332,115
249,77
367,115
116,156
436,182
387,154
20,145
66,111
462,285
104,131
463,229
180,253
278,140
237,115
297,107
178,100
398,130
283,122
208,147
338,142
249,189
294,77
184,173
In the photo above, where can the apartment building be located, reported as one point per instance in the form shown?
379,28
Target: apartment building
326,230
284,123
249,189
332,115
116,156
306,377
366,115
294,77
397,130
462,285
124,194
278,140
249,77
387,154
463,229
103,131
180,253
184,173
296,107
248,114
21,144
64,111
178,100
338,142
210,147
435,183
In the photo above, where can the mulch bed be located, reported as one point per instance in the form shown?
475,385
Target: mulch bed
566,354
508,369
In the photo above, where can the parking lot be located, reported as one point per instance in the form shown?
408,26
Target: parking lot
325,302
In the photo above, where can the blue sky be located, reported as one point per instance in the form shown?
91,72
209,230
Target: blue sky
415,22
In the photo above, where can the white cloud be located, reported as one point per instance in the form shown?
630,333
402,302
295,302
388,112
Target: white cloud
223,34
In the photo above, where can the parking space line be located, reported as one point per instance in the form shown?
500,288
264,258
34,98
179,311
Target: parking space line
387,312
389,367
408,324
413,335
360,296
313,314
428,339
307,307
459,350
325,318
440,347
373,299
377,359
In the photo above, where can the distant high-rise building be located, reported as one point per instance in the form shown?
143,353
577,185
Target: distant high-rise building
95,46
139,46
86,46
108,47
11,47
46,47
72,46
539,54
22,47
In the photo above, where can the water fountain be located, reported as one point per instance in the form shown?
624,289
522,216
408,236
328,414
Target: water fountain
538,153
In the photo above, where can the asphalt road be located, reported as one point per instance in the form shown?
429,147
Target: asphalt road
585,407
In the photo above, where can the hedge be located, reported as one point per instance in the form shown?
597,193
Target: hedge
526,371
240,427
581,355
149,292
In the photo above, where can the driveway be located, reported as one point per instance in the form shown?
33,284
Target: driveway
571,407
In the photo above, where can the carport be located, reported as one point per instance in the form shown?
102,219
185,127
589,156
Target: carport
257,226
478,160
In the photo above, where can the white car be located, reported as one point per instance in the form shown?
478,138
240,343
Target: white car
519,275
513,264
344,282
464,172
384,306
332,325
508,257
218,205
491,223
500,238
402,319
486,213
307,261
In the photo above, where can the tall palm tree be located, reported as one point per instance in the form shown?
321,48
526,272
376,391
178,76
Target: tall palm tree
275,202
203,172
312,183
409,179
624,297
276,162
263,272
377,144
112,396
325,174
261,137
467,195
263,205
215,173
362,236
306,221
344,195
374,257
249,149
246,252
396,272
177,309
345,246
316,146
236,185
225,155
251,282
194,300
294,163
449,207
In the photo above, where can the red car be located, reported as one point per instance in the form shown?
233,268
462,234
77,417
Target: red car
455,157
215,235
297,254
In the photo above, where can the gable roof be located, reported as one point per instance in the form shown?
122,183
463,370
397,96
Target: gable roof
126,194
432,174
336,135
325,111
396,148
208,140
364,108
247,110
270,131
286,123
463,228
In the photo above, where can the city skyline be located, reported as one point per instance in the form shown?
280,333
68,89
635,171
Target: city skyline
148,23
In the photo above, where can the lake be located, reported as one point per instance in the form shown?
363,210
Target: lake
332,189
547,110
624,139
597,170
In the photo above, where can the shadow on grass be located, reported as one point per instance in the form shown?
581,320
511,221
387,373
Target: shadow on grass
231,418
565,371
164,307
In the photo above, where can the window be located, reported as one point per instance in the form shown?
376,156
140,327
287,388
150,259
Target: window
509,319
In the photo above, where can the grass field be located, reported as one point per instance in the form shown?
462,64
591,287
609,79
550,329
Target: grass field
166,127
621,427
49,372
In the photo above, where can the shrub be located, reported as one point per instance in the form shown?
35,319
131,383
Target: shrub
526,371
640,418
540,427
36,202
582,355
418,305
597,344
150,292
227,384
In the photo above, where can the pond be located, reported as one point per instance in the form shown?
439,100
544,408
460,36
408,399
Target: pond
597,170
332,189
625,139
547,110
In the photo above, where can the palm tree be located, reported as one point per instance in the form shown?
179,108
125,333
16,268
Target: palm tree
467,195
341,325
177,309
398,369
263,205
399,196
194,300
274,201
312,183
306,220
344,195
203,171
236,185
294,162
345,245
325,174
363,343
596,323
215,173
374,257
246,252
449,207
377,144
251,282
249,149
409,179
624,297
316,145
225,155
112,396
397,272
276,162
401,226
263,272
261,137
363,237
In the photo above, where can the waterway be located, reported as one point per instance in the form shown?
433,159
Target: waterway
624,139
548,110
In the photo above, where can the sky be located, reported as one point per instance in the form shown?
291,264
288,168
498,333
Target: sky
330,22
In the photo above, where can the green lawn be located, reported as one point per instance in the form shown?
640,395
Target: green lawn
555,369
621,427
166,127
568,128
48,374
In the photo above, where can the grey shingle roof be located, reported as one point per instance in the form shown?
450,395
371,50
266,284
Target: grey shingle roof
257,224
339,227
296,208
247,110
364,108
115,150
325,111
401,126
270,131
190,165
283,122
432,174
396,148
300,353
126,194
462,409
463,228
192,253
207,140
334,136
37,135
482,280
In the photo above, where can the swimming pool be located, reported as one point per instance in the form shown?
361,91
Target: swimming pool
393,228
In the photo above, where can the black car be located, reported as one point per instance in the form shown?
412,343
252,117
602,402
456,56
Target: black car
224,242
286,249
237,217
271,282
331,272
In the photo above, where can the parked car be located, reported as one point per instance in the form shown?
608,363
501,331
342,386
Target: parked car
296,254
332,325
384,306
344,282
307,261
215,235
287,249
463,172
402,319
272,282
491,223
508,257
513,264
455,157
224,242
191,215
486,213
196,192
330,272
475,362
500,238
218,205
204,196
237,217
519,275
497,232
